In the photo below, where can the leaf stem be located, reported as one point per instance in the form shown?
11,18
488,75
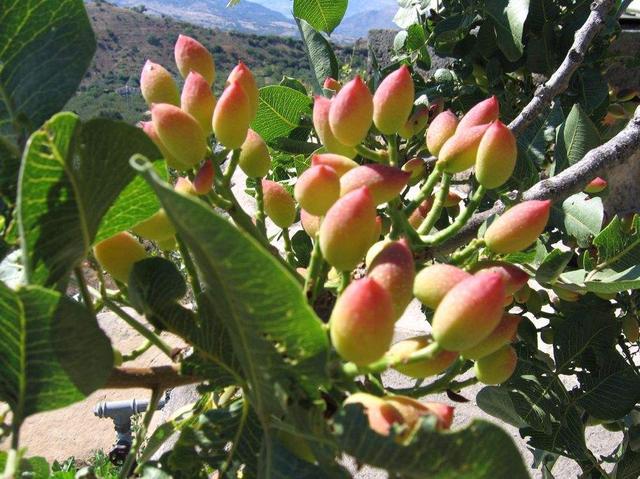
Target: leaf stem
139,328
139,351
436,210
260,217
370,154
142,433
424,192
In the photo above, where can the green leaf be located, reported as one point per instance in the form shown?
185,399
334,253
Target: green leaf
71,175
509,17
593,89
276,337
497,402
323,15
583,217
321,56
52,352
45,50
481,449
576,137
302,247
280,112
553,265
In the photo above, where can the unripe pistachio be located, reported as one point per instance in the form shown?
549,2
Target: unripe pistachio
332,84
317,189
198,100
232,116
192,56
469,312
158,227
497,155
384,182
412,410
497,367
184,186
297,445
341,164
523,294
514,277
278,204
377,231
596,186
382,415
393,269
416,123
631,329
180,133
321,108
565,294
157,85
440,130
347,229
375,249
460,151
361,323
351,113
168,244
118,254
310,223
519,227
504,333
255,159
547,336
420,213
481,114
452,200
425,368
434,282
393,101
244,77
149,129
416,167
203,182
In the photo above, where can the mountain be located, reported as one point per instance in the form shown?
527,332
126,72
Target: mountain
355,7
127,38
267,17
359,24
247,17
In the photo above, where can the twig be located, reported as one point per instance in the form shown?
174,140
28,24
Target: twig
157,377
572,180
559,81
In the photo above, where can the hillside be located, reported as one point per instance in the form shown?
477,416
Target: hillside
127,38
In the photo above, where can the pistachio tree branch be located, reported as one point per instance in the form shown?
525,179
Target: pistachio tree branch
560,79
154,378
570,181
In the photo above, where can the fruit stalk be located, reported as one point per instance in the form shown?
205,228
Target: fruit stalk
370,154
231,169
392,141
434,214
460,220
314,272
424,192
352,370
260,217
288,249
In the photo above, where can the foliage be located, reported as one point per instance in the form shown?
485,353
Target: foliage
256,302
